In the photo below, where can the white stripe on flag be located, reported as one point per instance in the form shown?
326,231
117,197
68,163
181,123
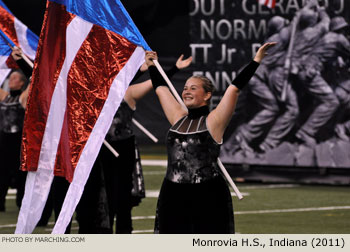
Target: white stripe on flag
36,191
77,32
39,182
21,31
89,154
3,60
3,73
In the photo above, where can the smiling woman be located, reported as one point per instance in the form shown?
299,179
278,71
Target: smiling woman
197,91
194,197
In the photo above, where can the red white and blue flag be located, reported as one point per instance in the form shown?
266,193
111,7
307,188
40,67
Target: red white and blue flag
89,51
269,3
13,32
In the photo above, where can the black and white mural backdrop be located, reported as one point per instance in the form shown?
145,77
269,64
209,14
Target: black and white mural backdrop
296,109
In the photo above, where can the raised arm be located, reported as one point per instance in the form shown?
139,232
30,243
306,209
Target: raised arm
172,109
23,65
3,94
24,97
27,71
219,118
137,91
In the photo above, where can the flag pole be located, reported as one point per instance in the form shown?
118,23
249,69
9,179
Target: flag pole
287,63
26,59
144,130
232,184
173,90
179,100
109,147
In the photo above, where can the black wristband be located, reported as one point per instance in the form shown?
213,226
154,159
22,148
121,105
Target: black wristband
245,75
137,75
156,78
172,71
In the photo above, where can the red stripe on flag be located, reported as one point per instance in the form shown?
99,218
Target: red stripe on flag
51,54
273,4
7,25
11,63
85,99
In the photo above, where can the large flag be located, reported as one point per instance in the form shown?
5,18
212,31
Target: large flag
89,51
13,32
269,3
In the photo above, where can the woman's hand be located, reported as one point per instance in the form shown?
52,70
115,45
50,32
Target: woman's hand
180,63
149,57
144,67
261,53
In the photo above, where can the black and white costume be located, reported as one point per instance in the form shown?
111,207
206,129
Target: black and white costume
11,120
194,197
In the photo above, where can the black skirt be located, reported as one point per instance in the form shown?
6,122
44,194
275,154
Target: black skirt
204,208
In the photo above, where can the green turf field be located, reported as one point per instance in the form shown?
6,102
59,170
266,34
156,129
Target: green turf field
266,208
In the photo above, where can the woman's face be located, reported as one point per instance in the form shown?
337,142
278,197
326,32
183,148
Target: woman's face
193,94
15,81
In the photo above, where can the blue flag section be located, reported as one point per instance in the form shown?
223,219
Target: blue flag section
109,14
5,49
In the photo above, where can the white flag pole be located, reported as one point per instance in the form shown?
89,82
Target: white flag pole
173,90
229,180
109,147
144,130
29,62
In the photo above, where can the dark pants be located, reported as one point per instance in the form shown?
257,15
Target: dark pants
204,208
92,210
11,175
59,189
108,191
118,177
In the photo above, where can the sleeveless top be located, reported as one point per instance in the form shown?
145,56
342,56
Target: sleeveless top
121,127
11,113
192,152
